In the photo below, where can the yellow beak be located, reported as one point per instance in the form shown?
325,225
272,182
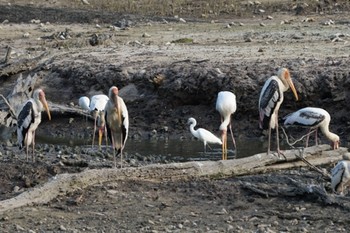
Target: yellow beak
46,108
291,85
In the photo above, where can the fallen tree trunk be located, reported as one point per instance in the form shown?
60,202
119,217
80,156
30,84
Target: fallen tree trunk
67,183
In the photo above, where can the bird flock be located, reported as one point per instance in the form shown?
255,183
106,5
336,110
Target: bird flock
112,120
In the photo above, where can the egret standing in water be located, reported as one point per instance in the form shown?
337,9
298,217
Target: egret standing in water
270,100
29,119
202,134
226,106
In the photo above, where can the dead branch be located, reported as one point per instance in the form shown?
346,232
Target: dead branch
8,53
301,155
67,183
9,106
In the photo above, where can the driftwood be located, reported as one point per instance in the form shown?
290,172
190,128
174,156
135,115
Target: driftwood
8,69
63,110
295,188
66,183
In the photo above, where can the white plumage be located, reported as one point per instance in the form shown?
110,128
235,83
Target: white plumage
29,119
340,176
270,100
202,134
117,119
96,108
313,118
226,106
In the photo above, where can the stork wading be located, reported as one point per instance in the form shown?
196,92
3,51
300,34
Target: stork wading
96,108
226,106
117,119
270,100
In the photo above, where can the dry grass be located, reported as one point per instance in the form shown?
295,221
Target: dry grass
212,8
195,8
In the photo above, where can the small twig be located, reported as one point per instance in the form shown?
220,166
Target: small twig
8,53
301,153
10,107
298,140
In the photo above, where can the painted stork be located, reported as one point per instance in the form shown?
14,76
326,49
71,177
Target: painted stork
117,120
313,118
226,106
96,108
270,100
340,176
29,119
202,134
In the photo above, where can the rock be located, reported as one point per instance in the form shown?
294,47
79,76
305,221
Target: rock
123,24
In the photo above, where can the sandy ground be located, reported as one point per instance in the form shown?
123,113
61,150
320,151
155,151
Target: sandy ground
230,53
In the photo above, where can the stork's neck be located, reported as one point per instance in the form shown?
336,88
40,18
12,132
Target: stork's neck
284,85
40,107
225,123
331,136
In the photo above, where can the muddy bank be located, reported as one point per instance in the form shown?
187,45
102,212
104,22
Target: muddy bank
169,70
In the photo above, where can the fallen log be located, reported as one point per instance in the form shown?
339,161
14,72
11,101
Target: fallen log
66,183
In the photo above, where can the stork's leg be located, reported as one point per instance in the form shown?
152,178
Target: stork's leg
33,146
205,148
93,135
106,137
223,146
27,152
121,152
225,155
113,147
278,141
233,139
269,141
279,152
316,139
307,138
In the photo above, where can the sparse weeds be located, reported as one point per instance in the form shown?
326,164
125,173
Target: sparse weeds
214,8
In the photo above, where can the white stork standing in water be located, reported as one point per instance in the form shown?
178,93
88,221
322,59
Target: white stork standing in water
226,106
340,176
117,120
270,100
202,134
96,108
313,118
29,119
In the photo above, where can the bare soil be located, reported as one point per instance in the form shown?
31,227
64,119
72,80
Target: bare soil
164,82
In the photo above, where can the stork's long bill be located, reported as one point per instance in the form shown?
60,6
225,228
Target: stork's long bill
291,84
116,102
44,102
